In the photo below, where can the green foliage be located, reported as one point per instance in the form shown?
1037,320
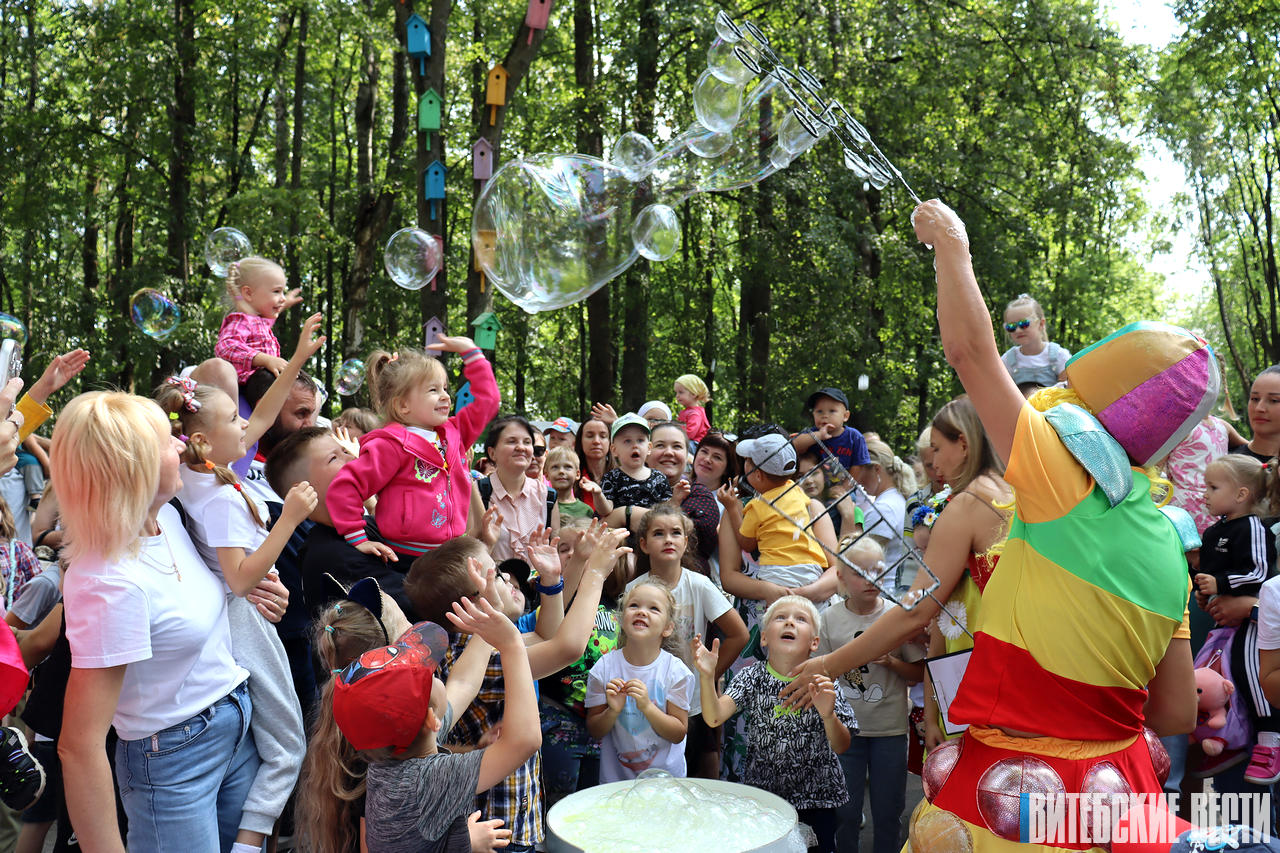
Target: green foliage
1010,111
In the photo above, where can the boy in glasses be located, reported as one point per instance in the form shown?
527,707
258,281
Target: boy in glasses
1033,358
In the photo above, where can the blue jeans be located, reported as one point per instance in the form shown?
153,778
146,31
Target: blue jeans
885,760
183,787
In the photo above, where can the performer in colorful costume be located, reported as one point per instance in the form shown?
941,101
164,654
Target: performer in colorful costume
1082,642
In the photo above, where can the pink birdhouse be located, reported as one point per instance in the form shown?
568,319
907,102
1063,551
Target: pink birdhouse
537,16
482,160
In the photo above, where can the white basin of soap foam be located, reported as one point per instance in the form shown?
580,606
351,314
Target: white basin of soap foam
663,814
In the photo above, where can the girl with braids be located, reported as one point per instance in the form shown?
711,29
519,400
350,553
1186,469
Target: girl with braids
414,464
256,287
329,813
228,527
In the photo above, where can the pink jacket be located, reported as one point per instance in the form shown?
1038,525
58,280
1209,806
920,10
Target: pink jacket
422,499
695,422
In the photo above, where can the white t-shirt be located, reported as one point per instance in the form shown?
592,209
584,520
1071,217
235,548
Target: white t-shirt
887,518
255,483
219,517
877,694
1269,615
633,746
172,633
698,604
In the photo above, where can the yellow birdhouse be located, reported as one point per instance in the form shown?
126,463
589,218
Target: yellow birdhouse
495,93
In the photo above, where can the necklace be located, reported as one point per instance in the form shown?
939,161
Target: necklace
172,568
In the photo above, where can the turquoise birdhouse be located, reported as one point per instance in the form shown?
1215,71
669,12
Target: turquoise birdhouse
429,110
463,398
487,328
419,41
433,185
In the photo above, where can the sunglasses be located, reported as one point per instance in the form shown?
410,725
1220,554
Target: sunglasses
539,449
1021,324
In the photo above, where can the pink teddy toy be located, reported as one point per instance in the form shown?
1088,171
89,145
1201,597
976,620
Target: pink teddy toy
1214,697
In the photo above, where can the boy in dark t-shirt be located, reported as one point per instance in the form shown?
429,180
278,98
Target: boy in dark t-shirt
830,410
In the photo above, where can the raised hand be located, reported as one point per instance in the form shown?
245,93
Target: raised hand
343,436
542,554
603,412
822,693
637,691
299,503
310,341
60,371
680,491
292,298
491,526
479,617
937,225
455,344
705,659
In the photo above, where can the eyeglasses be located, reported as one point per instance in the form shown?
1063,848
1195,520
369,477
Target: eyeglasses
539,449
1024,323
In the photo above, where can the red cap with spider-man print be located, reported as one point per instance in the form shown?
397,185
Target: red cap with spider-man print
381,698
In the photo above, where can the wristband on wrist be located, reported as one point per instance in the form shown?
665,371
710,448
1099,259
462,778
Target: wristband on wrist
549,590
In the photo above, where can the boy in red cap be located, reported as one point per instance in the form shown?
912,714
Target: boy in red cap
388,703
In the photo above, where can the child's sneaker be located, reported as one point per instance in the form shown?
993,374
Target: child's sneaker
21,776
1264,765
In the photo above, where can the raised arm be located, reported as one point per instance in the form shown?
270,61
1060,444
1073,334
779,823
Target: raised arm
965,325
268,408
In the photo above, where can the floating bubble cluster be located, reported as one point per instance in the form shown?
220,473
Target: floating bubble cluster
551,229
412,258
350,377
154,313
662,814
11,328
224,247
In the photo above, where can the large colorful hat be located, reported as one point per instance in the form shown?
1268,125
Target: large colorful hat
1149,384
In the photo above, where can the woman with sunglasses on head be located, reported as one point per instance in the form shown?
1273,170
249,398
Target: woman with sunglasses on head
1033,358
521,503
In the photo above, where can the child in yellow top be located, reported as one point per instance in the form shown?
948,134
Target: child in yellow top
787,561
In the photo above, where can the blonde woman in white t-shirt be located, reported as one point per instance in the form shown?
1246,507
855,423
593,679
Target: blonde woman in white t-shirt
150,644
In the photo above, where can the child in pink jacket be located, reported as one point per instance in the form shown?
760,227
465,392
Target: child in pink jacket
415,464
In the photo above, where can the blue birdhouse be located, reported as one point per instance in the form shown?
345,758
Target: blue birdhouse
433,184
487,328
463,398
419,40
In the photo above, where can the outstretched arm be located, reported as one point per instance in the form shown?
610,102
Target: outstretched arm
965,325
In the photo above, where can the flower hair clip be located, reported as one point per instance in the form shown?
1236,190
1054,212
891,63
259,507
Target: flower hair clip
188,388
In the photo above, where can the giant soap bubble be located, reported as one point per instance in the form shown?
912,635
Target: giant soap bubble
224,247
550,229
154,313
11,328
412,258
350,377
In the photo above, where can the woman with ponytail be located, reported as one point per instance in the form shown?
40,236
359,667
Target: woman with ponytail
228,527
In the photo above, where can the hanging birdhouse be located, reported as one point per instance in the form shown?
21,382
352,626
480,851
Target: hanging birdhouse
433,331
418,37
537,16
429,113
433,184
463,398
482,160
483,246
487,328
495,93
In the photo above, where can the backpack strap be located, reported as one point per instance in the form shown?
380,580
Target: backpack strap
552,497
485,485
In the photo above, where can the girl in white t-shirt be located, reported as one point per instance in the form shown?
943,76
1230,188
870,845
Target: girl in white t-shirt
638,695
229,528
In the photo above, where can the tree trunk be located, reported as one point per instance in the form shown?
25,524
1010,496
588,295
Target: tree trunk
433,300
293,257
635,286
373,209
753,319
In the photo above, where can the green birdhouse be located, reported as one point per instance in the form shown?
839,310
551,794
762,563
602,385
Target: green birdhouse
429,111
487,328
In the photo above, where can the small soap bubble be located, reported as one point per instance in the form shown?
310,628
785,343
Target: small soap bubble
723,61
632,154
412,258
725,27
224,247
864,382
11,328
350,377
154,313
656,232
717,104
